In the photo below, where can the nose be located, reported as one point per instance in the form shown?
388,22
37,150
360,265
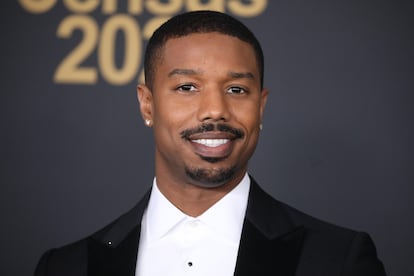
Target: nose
213,106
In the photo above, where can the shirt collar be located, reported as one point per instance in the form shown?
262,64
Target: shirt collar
225,217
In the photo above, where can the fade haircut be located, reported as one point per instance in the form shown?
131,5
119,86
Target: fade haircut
197,22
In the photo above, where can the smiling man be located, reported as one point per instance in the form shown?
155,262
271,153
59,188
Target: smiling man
204,99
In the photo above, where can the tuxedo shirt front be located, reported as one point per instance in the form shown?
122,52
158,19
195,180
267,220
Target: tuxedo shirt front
173,243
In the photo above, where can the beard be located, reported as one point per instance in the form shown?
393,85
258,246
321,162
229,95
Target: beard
207,177
210,178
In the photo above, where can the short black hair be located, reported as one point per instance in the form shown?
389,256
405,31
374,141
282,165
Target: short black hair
202,21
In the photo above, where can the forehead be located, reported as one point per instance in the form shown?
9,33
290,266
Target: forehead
213,48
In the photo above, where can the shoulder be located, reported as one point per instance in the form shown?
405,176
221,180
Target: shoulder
338,250
326,247
265,208
72,259
66,260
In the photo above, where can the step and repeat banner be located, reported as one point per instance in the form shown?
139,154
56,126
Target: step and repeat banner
337,136
101,22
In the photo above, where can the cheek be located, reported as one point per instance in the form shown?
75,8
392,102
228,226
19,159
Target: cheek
171,107
248,115
170,120
249,119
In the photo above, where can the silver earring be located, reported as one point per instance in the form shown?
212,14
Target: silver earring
148,122
261,126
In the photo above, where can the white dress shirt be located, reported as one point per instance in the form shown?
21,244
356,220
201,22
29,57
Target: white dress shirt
175,244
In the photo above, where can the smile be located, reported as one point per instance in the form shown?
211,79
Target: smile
212,143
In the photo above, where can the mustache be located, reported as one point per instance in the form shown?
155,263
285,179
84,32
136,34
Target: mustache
238,133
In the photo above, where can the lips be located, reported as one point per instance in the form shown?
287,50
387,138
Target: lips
212,144
219,150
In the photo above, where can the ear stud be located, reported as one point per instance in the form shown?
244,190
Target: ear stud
261,126
148,122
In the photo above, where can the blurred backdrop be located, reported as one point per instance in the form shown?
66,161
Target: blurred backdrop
338,131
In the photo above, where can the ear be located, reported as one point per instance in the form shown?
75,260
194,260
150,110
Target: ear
144,95
263,100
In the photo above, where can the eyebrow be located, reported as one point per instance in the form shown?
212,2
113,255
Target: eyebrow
241,75
186,72
191,72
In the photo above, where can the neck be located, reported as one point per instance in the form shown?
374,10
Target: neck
191,199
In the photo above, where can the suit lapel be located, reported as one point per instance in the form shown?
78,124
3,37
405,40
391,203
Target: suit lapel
259,255
270,243
106,260
113,250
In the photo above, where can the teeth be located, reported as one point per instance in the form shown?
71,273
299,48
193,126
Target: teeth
211,142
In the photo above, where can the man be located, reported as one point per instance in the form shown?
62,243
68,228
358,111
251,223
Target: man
204,99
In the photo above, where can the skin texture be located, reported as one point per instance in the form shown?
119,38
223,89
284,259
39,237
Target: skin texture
206,86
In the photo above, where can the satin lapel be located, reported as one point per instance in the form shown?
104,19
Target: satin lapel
270,243
259,255
113,251
105,260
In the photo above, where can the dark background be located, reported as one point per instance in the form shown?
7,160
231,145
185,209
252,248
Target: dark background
337,141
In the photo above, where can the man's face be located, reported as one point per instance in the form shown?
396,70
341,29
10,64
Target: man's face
206,106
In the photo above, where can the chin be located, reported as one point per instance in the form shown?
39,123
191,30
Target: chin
210,178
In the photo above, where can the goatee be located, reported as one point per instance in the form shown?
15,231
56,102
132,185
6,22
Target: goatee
210,178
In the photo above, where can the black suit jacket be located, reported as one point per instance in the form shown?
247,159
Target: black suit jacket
276,240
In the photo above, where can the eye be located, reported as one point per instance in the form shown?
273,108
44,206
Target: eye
236,90
186,88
